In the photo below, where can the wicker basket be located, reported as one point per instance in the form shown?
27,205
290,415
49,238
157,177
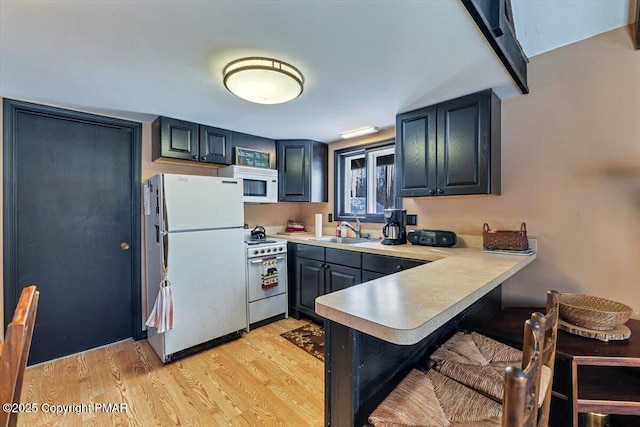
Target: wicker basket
509,240
593,312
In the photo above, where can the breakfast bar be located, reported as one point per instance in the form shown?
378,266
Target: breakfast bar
378,330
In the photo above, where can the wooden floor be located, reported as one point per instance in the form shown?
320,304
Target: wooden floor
258,380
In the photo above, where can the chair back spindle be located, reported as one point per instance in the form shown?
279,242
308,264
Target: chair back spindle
549,325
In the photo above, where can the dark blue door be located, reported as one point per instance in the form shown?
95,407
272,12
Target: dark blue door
72,186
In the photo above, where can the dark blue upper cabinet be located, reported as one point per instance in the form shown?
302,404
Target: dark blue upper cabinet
215,145
180,140
175,139
302,171
452,148
416,152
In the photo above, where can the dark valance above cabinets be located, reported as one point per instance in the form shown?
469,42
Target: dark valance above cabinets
258,143
451,148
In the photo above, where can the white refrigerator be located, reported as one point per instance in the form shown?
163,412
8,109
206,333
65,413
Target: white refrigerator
197,223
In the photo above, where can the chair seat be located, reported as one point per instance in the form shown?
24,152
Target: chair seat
433,400
479,362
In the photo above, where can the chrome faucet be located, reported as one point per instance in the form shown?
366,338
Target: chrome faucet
357,229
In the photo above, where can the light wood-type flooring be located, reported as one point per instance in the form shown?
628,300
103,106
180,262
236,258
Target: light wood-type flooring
258,380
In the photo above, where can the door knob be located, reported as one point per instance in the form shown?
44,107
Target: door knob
124,246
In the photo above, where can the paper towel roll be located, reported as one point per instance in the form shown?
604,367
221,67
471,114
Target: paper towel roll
318,225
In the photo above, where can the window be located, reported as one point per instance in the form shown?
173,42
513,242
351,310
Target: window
365,182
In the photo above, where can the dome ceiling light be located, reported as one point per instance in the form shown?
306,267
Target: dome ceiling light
263,80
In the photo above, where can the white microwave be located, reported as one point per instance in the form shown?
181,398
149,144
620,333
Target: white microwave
260,185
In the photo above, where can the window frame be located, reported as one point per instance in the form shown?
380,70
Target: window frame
338,183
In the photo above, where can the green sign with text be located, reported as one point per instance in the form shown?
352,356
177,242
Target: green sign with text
246,157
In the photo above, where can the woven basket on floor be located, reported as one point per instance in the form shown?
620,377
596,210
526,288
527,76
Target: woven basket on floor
593,312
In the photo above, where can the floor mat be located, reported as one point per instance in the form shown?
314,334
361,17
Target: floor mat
310,338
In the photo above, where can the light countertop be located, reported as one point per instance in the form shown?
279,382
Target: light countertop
405,307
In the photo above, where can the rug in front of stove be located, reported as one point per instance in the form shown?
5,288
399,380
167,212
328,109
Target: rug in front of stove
309,338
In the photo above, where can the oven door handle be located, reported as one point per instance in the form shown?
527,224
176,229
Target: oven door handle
258,261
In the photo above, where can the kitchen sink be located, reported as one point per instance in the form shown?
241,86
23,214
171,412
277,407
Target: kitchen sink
343,240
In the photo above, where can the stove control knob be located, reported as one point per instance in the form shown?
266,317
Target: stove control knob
255,252
261,251
268,250
281,249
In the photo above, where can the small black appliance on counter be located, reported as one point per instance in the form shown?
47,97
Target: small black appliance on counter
439,238
394,230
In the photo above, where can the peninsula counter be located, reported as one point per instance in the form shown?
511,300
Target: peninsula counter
379,330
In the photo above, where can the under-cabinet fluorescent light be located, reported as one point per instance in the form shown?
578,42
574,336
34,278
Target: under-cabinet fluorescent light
358,132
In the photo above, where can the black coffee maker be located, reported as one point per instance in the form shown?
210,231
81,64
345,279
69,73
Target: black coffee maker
394,230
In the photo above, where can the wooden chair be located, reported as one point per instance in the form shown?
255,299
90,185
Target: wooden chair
522,386
15,351
479,362
435,399
549,328
549,325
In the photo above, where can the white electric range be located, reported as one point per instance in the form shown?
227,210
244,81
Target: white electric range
266,280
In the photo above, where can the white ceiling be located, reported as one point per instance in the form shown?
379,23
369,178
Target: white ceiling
363,62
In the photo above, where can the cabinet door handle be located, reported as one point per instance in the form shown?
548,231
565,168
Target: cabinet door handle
203,158
431,192
440,191
398,268
195,157
327,266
